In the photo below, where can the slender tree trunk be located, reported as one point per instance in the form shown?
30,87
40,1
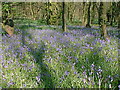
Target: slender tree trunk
119,21
64,17
99,13
93,12
71,13
48,13
84,20
68,15
0,12
118,5
24,5
32,13
111,21
108,17
103,19
113,13
88,16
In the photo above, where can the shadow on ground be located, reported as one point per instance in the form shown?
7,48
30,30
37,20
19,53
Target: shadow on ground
38,54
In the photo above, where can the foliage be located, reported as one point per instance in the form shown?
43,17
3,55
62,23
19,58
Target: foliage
51,12
7,8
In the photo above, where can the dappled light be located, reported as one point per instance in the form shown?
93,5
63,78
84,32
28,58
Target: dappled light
48,58
60,45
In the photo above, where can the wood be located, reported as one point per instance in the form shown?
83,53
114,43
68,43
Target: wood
64,17
88,16
8,29
102,20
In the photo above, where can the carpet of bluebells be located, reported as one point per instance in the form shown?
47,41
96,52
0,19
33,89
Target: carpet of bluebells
78,58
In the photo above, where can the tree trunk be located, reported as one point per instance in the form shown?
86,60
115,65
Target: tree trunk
118,5
8,29
93,12
32,14
111,20
48,13
103,18
84,20
64,17
68,15
119,21
99,13
88,16
108,16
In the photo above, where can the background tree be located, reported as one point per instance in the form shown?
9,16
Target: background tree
103,19
118,14
112,13
50,13
88,15
64,17
84,20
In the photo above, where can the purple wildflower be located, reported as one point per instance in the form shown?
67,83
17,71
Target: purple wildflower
66,73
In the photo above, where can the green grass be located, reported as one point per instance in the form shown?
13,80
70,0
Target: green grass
52,60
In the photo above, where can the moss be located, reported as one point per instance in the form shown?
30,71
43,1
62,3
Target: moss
8,29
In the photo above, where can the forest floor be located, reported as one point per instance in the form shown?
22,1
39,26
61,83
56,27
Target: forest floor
43,57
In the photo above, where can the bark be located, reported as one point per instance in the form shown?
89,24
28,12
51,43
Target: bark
88,16
111,21
8,29
103,19
108,16
32,12
118,5
119,21
93,12
68,15
48,13
114,12
64,17
84,20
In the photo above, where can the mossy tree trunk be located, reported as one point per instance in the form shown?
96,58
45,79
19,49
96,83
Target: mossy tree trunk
84,20
118,5
93,12
103,19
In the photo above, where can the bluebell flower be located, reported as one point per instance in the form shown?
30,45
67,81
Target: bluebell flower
67,73
75,72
